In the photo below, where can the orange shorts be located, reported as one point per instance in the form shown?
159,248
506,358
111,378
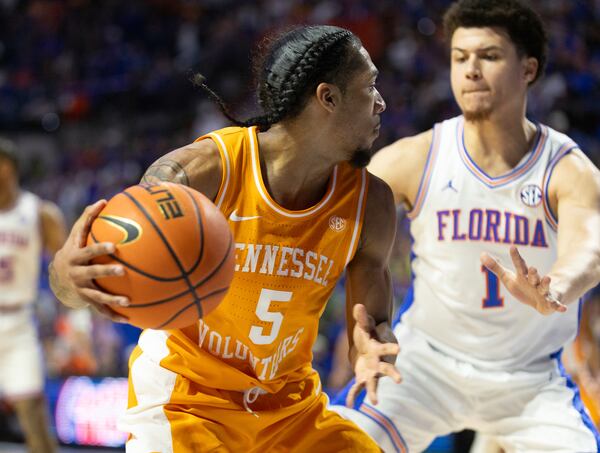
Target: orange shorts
169,413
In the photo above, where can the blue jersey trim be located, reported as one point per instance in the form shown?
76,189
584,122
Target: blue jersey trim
552,220
513,175
387,431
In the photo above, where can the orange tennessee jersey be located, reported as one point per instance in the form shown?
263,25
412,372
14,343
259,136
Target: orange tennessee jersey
286,266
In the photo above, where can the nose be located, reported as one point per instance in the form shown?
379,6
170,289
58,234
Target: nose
473,69
379,103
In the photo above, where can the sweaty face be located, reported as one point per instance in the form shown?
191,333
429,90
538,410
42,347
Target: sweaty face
486,72
362,105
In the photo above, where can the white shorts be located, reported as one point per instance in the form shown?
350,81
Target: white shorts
521,411
21,371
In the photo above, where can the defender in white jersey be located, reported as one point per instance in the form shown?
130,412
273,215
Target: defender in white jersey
28,225
506,225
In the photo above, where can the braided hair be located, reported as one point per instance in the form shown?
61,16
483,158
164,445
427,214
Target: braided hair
292,66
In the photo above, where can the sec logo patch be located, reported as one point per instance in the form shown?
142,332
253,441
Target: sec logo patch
531,195
337,223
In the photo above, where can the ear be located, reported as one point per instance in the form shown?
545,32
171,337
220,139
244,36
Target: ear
531,66
328,96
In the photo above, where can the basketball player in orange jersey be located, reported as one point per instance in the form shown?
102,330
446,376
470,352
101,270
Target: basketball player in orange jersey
302,209
505,217
28,227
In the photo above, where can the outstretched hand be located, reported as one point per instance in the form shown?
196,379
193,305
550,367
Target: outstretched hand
525,283
370,362
72,275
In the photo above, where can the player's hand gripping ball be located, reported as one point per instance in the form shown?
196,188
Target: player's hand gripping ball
177,250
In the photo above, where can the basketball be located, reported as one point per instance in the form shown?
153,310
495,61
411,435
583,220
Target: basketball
177,251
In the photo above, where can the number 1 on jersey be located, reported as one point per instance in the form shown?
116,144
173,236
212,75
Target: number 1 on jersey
493,298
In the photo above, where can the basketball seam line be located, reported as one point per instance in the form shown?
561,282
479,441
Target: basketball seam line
164,239
178,295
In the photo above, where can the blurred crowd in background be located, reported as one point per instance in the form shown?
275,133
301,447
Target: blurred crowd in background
93,92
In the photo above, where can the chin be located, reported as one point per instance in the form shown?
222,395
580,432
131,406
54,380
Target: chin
477,115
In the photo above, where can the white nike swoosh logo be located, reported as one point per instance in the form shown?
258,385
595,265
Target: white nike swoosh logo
236,218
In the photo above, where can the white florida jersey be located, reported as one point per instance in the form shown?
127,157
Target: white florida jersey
460,212
20,251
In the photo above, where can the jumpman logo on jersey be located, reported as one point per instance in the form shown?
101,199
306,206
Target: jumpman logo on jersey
450,186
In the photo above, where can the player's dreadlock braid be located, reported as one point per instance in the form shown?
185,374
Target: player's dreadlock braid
281,94
292,67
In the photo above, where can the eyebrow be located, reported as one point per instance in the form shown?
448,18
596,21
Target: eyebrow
485,49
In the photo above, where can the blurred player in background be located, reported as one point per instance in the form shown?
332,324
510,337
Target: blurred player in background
481,339
582,358
29,226
302,208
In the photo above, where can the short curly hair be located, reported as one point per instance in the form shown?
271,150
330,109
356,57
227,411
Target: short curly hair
523,25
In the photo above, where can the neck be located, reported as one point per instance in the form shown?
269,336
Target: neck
294,164
498,144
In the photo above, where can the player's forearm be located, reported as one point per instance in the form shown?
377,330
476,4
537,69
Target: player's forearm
575,273
379,305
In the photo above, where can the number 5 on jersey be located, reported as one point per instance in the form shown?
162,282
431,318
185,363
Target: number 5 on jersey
262,312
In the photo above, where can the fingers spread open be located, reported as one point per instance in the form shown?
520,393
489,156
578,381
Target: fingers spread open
533,277
387,369
493,265
372,390
361,317
382,349
544,287
353,392
518,261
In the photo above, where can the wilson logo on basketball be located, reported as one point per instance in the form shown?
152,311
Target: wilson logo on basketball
531,195
337,223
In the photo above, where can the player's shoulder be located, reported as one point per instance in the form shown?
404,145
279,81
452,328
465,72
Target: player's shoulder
572,174
197,165
407,147
28,201
567,156
573,169
380,193
401,165
52,217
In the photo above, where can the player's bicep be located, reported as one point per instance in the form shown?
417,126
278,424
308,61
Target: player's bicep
369,281
197,165
576,189
379,224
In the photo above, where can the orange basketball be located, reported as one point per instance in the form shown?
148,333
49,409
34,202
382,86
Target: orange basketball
177,250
